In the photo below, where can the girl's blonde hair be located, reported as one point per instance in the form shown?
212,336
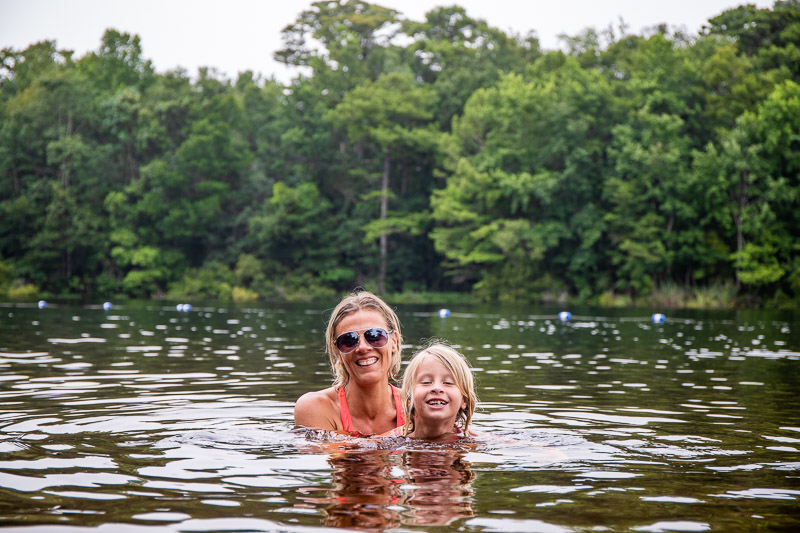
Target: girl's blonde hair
359,301
458,366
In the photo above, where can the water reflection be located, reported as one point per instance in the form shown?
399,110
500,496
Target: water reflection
376,490
364,492
441,487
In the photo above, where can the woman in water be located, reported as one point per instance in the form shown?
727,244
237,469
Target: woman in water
363,342
439,393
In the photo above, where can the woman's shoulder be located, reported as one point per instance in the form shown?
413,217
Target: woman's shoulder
319,399
318,409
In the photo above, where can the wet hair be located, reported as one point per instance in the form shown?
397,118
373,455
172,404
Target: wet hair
461,371
360,301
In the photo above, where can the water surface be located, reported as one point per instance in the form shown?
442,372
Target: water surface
143,418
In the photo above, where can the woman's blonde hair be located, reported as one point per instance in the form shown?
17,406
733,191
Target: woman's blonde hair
458,366
360,301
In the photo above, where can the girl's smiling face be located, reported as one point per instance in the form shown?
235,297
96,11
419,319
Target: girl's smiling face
436,396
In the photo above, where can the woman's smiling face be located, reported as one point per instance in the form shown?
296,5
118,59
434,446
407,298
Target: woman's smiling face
366,364
436,395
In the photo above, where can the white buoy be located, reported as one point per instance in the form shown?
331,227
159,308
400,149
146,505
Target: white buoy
658,318
42,304
444,313
187,308
565,316
107,306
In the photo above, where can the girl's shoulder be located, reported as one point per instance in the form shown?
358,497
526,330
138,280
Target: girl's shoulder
459,432
396,432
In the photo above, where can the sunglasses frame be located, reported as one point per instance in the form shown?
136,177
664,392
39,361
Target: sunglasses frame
388,333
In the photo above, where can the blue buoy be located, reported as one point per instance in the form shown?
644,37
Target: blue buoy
658,318
42,304
107,306
565,316
444,313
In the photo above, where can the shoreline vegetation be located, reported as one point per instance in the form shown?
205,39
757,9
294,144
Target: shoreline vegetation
668,297
436,160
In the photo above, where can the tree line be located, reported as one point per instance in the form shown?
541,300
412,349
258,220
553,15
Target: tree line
441,155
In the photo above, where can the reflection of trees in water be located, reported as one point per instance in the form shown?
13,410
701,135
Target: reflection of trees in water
378,490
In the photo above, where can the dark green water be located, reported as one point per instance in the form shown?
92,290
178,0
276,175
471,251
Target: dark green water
146,419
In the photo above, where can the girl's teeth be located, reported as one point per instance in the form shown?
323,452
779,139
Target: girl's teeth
367,362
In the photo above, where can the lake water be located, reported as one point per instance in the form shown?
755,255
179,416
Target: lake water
146,419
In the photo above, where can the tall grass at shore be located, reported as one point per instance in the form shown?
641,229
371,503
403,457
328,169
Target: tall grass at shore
673,295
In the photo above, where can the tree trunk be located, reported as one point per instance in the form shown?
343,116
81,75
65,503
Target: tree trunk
738,219
384,239
65,163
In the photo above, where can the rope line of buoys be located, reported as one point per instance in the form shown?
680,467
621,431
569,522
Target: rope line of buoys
566,316
563,316
108,306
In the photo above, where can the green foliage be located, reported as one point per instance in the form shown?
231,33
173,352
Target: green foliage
22,291
302,288
213,281
435,157
241,294
526,190
757,265
672,295
287,229
612,299
6,276
410,296
714,296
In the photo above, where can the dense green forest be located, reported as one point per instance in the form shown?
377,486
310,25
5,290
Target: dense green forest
407,156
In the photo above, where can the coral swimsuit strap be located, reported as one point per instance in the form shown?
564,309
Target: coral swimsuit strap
347,422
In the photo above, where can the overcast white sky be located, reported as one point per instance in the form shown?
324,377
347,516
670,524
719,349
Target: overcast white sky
238,35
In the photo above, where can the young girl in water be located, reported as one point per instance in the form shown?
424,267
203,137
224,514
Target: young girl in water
439,396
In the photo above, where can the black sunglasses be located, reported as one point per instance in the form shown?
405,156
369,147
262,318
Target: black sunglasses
375,337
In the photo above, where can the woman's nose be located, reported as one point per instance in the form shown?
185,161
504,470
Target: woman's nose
362,344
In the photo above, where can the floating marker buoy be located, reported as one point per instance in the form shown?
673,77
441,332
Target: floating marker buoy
187,308
42,304
444,313
107,306
564,316
658,318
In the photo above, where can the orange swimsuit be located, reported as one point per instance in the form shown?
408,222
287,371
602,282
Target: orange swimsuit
347,423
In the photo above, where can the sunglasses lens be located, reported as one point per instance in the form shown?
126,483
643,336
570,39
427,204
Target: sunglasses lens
347,342
376,337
